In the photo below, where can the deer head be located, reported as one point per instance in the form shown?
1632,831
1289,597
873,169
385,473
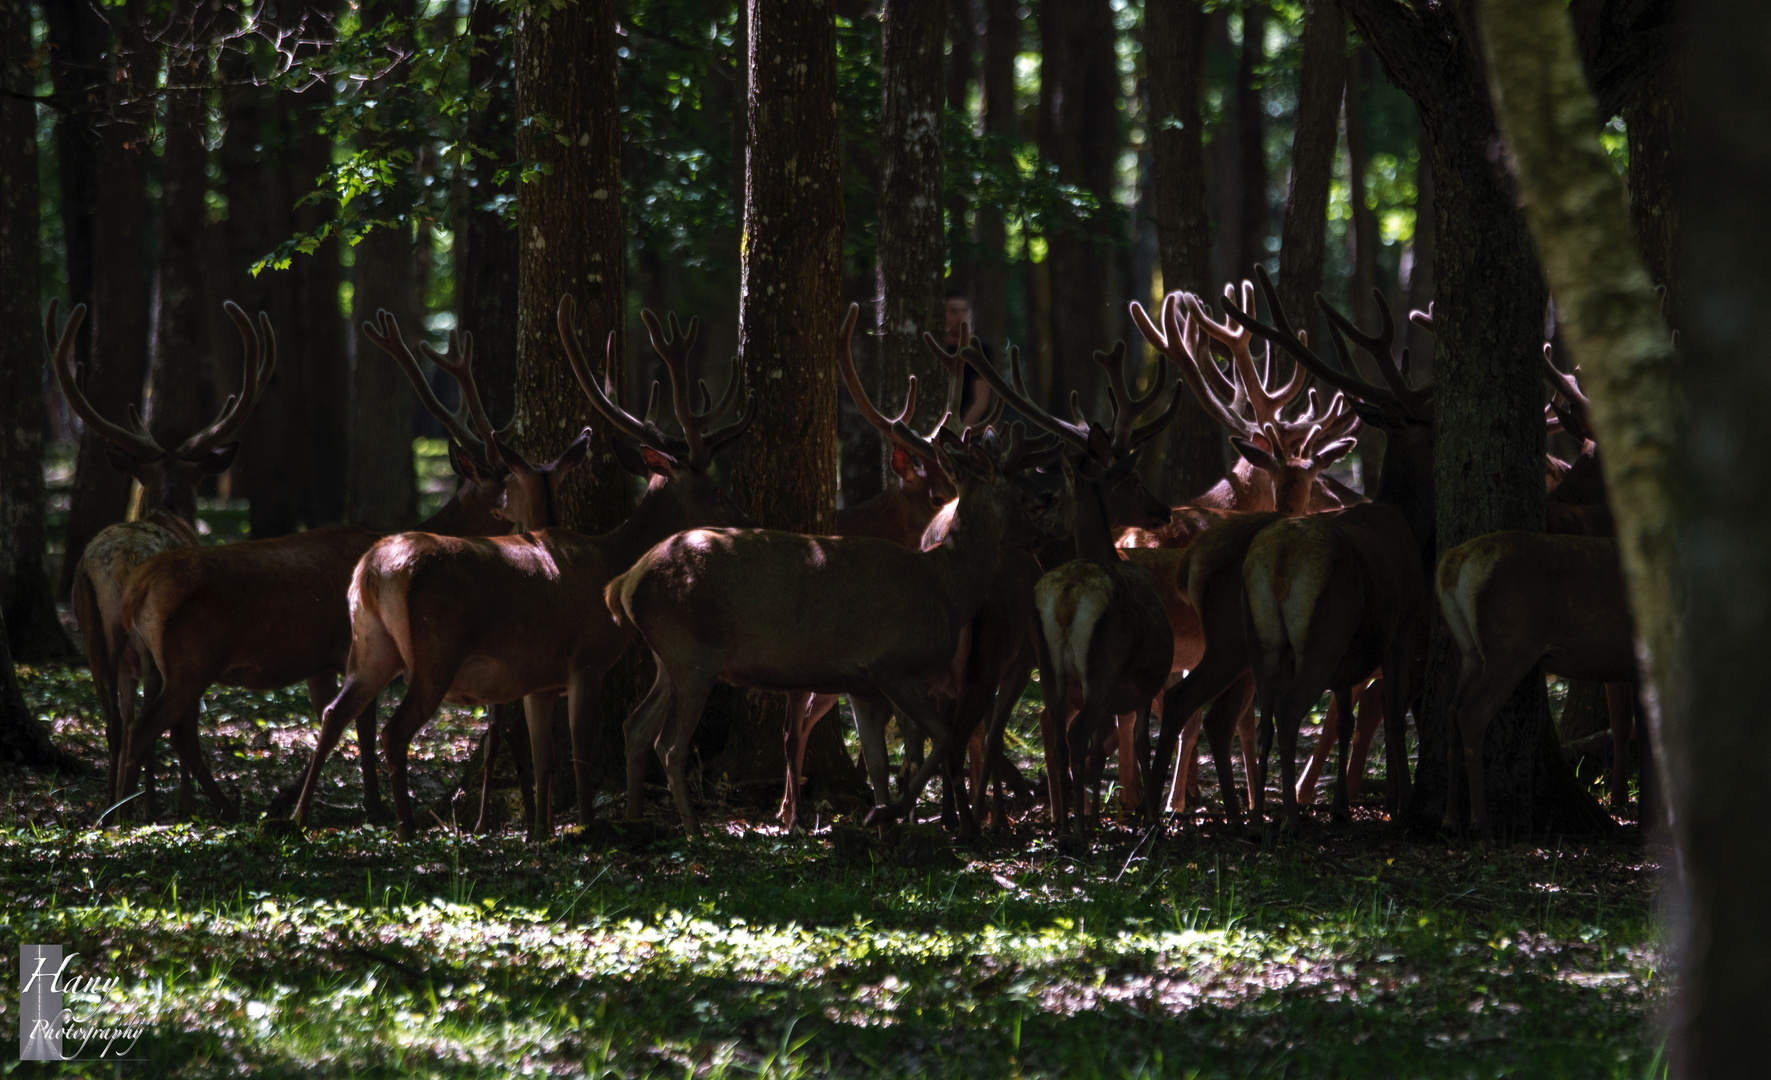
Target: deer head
920,475
679,492
169,478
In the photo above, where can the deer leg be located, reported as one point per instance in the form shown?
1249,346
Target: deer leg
1325,740
1217,669
1343,698
1620,706
1475,705
640,732
1398,664
1370,709
1218,720
538,717
1002,710
359,689
494,729
424,693
583,687
913,702
158,716
687,702
872,715
804,718
191,758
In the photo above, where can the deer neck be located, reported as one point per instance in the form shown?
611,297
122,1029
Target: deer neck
1093,535
966,558
1407,484
176,524
656,516
457,518
1250,488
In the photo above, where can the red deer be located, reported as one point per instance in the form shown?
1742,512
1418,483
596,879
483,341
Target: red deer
1333,597
268,613
168,481
486,621
835,614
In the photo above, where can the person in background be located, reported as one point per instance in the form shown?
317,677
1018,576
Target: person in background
974,399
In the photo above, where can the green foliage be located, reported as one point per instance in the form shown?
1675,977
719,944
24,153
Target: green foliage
1345,954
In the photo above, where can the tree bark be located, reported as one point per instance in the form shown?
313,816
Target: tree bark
570,243
77,39
1653,124
1303,236
1002,40
381,489
1363,234
1422,250
1488,429
177,369
1174,34
25,595
25,742
120,301
1079,136
910,249
788,312
1709,687
1251,144
961,72
487,254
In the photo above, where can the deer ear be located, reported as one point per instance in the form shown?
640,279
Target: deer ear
1100,444
123,461
1255,455
903,464
1334,451
513,461
217,460
628,456
657,461
572,456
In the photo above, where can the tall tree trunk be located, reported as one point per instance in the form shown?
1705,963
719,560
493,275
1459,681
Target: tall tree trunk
177,369
381,490
487,254
24,740
25,596
1303,237
1002,40
910,249
1488,429
571,243
1079,136
1716,740
1422,249
77,37
1363,234
1223,156
1174,34
961,73
120,284
787,316
1653,123
1251,142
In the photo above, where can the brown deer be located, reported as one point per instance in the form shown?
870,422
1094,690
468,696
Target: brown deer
1513,600
486,621
844,614
267,613
1107,640
1333,597
168,481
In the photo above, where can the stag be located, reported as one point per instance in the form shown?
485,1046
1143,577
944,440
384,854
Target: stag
487,621
267,613
169,500
1333,597
844,614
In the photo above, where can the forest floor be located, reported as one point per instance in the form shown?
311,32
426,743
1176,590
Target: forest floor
1346,952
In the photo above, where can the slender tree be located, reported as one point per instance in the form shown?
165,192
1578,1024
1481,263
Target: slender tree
787,318
911,245
1002,40
1251,144
1174,35
487,254
1303,236
120,109
1362,237
380,485
25,595
1488,430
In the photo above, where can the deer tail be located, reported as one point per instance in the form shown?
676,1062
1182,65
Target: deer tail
615,595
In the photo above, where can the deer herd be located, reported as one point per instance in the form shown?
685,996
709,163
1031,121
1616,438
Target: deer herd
1000,549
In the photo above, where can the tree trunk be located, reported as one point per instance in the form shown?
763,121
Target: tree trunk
910,248
487,255
1002,40
961,73
1709,684
77,40
1421,255
1174,34
1653,122
381,490
1251,143
24,740
120,298
1303,237
25,596
1363,234
177,369
1079,136
785,466
571,243
1488,428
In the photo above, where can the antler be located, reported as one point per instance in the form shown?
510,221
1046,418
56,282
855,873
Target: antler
1015,393
1568,403
467,426
886,426
1415,404
260,344
133,440
1127,434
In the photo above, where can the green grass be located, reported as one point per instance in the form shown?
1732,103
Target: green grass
1346,953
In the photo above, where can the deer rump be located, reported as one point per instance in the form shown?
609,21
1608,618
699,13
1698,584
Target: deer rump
414,611
1073,602
781,611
